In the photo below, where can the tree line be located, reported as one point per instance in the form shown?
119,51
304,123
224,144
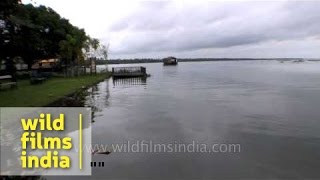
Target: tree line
34,33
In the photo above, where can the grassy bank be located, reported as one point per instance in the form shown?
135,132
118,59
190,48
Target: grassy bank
27,95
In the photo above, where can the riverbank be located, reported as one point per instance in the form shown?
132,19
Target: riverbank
27,95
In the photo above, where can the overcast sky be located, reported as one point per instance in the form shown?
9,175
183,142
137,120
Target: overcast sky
198,28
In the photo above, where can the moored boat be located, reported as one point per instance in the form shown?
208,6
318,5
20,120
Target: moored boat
170,61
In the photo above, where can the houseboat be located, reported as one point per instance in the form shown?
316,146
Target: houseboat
170,61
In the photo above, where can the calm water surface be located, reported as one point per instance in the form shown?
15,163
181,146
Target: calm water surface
270,108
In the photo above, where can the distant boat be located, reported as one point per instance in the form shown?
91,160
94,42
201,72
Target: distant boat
298,61
170,61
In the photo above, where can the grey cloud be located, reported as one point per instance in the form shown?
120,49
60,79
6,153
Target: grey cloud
144,18
167,26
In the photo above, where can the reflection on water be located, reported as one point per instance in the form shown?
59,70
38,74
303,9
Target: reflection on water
129,81
270,108
95,97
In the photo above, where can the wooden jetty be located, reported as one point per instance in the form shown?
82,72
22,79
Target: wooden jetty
129,72
170,61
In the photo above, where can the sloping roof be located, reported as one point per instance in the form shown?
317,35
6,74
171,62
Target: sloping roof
170,57
45,63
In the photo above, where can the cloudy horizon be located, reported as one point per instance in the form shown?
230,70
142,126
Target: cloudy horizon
198,29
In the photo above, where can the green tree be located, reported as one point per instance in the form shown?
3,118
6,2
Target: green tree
7,28
39,32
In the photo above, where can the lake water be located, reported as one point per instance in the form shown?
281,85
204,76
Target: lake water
269,108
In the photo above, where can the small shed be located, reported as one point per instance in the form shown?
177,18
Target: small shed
45,64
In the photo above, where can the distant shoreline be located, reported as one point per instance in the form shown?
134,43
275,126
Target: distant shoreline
134,61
